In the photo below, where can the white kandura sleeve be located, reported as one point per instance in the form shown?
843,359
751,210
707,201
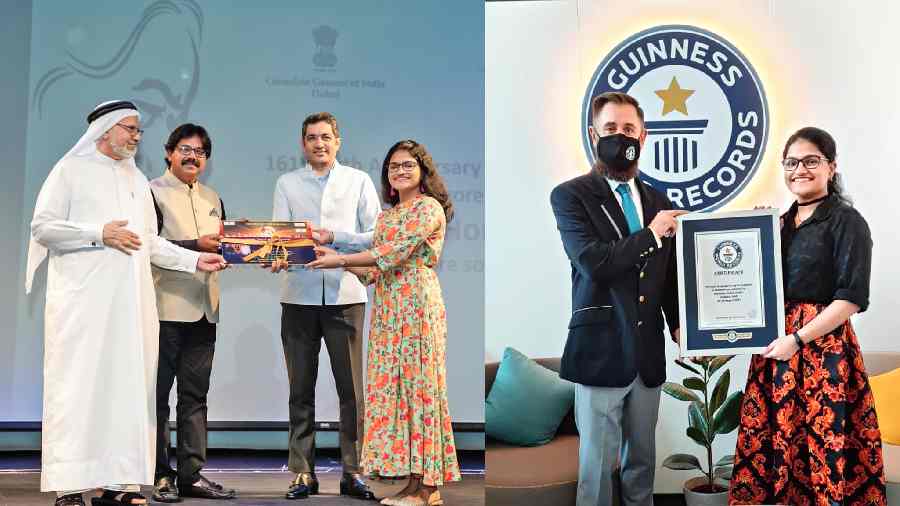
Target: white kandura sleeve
51,226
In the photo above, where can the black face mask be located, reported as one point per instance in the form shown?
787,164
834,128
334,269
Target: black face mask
618,152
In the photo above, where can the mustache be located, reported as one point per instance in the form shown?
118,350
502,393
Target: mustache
190,161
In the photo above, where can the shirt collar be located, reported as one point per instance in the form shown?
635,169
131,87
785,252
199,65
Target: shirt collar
307,169
615,184
99,155
823,210
173,180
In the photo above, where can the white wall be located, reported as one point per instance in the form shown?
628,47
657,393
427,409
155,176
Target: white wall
829,64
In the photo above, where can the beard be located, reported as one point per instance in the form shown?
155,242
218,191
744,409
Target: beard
621,176
123,150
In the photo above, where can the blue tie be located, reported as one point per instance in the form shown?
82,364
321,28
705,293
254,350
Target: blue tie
631,215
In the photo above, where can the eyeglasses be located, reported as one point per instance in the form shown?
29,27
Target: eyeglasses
186,150
407,167
133,130
809,162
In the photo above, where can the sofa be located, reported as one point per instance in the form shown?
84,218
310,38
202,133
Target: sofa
878,363
539,475
548,474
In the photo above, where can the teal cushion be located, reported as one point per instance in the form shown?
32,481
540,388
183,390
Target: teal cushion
527,401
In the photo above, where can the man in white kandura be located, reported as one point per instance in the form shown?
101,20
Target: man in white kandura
95,217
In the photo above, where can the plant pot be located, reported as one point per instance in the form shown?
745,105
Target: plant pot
692,498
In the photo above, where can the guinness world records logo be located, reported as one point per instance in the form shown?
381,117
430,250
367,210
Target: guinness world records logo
728,254
706,113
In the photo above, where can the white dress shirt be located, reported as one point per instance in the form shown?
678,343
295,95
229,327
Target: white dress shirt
636,198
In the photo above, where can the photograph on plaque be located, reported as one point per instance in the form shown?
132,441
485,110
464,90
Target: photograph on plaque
731,298
255,242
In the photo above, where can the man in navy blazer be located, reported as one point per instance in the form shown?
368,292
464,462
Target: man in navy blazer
618,234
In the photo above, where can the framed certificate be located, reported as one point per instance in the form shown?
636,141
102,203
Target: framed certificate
254,242
731,297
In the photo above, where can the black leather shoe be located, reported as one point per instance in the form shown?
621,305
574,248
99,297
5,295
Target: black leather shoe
203,488
303,486
353,485
164,490
69,500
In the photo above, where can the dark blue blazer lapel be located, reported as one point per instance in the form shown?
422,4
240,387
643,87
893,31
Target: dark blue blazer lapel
648,204
608,202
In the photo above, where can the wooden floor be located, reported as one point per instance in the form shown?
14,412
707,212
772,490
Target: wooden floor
259,488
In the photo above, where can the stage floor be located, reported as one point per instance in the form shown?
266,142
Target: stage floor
258,477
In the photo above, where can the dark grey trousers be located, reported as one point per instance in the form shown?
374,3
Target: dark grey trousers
302,331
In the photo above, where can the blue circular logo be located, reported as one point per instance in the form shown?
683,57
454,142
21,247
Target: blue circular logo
705,112
728,254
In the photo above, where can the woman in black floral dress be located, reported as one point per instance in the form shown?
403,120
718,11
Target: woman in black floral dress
808,433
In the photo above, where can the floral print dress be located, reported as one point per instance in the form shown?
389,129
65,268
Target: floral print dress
407,423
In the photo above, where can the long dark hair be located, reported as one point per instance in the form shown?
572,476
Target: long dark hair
825,143
432,183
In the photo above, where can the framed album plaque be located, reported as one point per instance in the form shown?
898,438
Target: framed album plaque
256,242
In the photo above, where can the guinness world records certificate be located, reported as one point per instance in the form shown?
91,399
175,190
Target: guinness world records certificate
731,298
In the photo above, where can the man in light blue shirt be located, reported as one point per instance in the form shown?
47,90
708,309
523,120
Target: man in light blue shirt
342,204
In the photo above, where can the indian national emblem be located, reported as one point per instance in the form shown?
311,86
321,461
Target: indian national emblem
325,38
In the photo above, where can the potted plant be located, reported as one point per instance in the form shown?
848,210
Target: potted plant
713,414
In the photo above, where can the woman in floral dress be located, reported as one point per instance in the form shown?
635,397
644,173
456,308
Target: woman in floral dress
808,433
407,424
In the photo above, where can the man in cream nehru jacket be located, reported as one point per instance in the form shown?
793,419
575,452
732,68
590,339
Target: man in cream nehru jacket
189,214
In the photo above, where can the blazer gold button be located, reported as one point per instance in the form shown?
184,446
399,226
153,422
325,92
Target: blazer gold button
641,275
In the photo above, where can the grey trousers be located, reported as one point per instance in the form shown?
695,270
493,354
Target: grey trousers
617,428
303,328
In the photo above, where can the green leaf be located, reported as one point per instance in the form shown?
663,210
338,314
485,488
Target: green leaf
694,384
718,362
697,418
688,367
721,390
727,417
679,392
727,460
723,472
698,437
682,462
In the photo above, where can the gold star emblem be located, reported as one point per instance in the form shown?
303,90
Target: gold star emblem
674,98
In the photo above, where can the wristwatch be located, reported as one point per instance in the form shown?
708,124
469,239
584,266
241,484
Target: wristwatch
797,339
